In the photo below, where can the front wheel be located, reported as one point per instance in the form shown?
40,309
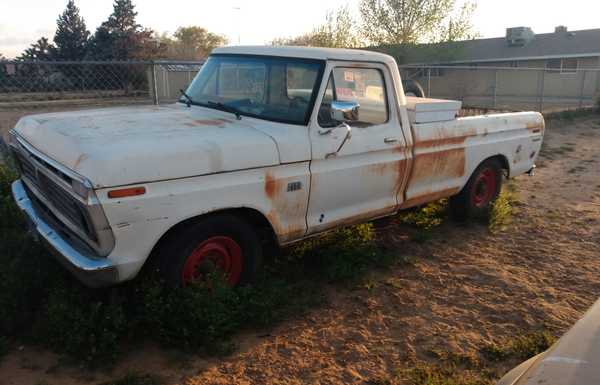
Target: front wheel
223,244
477,197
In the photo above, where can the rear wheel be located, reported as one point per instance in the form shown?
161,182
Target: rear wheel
477,197
221,244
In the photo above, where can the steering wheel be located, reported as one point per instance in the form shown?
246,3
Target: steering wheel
296,101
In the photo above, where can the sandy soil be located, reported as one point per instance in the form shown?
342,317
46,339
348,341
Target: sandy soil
466,288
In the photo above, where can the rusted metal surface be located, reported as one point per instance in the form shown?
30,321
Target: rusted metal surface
288,208
445,154
430,197
208,122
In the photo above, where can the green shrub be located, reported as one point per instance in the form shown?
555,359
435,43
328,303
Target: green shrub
343,254
75,322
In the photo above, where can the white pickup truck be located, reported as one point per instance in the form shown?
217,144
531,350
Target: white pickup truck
268,146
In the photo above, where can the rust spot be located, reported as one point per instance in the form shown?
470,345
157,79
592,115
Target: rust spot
288,209
444,137
457,140
359,218
536,127
272,186
207,122
80,159
445,164
429,197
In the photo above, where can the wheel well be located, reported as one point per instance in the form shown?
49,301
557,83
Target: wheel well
254,217
503,162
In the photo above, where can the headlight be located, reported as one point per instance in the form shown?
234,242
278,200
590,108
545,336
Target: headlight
80,189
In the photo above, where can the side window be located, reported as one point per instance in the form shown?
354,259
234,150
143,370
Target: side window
364,86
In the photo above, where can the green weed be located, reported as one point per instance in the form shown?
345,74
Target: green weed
444,374
503,209
344,254
522,347
427,217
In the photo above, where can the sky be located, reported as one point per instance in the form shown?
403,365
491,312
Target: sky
22,22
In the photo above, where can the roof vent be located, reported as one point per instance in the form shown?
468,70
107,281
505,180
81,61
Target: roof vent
561,29
519,36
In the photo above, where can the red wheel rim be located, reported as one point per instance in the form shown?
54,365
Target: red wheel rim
214,254
484,187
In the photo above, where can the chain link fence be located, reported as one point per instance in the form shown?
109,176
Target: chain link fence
508,88
28,87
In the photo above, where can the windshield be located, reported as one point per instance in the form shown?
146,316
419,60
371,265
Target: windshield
272,88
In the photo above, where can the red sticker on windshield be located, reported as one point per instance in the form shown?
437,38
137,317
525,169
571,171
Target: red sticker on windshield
349,76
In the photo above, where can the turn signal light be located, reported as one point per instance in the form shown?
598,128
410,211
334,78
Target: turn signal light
127,192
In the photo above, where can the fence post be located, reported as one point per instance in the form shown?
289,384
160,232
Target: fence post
429,82
495,88
154,85
542,91
581,90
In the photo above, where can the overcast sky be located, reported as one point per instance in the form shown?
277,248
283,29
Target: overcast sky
259,21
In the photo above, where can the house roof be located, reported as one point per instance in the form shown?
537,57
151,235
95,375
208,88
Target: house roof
543,46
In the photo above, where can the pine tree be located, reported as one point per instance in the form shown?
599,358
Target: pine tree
71,38
121,37
41,50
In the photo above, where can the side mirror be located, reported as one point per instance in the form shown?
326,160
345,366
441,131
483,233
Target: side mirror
344,112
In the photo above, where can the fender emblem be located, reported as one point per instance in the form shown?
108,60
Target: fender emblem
294,186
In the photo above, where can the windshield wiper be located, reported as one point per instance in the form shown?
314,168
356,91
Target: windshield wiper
226,108
190,101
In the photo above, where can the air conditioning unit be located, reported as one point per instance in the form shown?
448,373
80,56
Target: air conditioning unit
519,36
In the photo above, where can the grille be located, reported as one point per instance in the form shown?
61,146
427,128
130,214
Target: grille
73,210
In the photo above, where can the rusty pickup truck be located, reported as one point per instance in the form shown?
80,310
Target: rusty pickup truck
267,146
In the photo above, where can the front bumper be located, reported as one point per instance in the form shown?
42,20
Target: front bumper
92,272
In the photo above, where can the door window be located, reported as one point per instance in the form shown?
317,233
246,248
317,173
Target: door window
364,86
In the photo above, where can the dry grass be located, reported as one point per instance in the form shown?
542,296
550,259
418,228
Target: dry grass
445,313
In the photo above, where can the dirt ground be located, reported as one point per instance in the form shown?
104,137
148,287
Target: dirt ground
466,288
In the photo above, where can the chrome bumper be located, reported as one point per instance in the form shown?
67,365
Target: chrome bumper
91,272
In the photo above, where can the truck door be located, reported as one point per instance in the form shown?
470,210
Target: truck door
357,166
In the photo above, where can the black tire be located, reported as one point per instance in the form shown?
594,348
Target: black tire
477,197
174,255
413,88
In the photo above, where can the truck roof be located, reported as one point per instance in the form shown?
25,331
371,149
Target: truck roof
307,53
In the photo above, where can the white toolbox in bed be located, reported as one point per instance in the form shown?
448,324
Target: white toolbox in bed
425,110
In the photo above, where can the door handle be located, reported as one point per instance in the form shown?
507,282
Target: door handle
346,138
390,140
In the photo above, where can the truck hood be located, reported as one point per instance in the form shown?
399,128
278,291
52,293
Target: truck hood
120,146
